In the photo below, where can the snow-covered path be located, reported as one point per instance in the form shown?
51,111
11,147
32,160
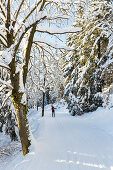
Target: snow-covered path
68,143
63,147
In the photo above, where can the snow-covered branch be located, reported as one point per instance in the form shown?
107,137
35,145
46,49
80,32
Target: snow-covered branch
6,83
1,8
1,35
18,11
7,97
27,27
2,87
59,30
25,21
51,44
4,65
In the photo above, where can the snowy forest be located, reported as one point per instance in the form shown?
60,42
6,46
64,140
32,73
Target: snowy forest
55,53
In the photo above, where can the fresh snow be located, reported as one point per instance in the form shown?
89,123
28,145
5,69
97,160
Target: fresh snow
67,143
7,83
51,44
59,30
2,64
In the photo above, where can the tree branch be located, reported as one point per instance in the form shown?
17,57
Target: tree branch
19,10
4,66
27,55
5,99
26,29
2,43
51,31
55,46
2,11
28,16
6,83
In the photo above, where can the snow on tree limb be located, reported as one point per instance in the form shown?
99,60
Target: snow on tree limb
51,44
26,29
59,30
2,36
2,87
4,65
20,6
2,10
31,11
6,83
7,55
7,97
34,18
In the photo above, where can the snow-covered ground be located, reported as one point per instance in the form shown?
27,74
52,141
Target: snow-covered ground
66,142
8,150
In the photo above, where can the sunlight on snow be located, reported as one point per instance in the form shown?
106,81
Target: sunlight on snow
60,161
83,163
82,154
64,161
91,165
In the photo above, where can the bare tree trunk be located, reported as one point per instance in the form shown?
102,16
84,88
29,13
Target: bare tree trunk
48,96
22,121
99,50
43,104
37,105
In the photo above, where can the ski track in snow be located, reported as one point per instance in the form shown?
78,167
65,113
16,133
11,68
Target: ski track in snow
68,143
77,146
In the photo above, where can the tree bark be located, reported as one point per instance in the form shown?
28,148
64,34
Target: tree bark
48,96
43,104
27,55
99,50
22,121
37,105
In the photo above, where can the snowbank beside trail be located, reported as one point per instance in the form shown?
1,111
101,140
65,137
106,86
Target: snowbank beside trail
101,118
57,141
8,151
4,140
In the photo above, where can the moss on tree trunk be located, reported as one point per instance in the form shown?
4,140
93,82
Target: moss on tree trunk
22,121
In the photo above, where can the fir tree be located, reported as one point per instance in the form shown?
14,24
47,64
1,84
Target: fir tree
84,70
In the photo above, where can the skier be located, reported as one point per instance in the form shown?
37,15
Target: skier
53,111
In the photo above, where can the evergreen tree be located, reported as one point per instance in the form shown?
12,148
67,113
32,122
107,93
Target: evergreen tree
84,73
7,111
